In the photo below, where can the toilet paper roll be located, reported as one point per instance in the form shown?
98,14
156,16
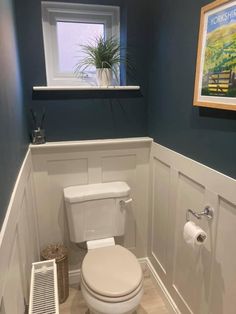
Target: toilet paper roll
194,235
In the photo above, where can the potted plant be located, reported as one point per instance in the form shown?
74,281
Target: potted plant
105,56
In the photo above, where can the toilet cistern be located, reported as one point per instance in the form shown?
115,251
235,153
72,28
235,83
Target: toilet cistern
111,277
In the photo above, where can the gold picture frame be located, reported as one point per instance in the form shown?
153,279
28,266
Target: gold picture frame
215,79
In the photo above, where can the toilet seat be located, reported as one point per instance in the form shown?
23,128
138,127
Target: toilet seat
111,274
109,299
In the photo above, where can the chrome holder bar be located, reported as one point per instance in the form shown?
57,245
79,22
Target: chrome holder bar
207,212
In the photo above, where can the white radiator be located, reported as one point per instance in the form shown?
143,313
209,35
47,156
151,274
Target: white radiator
43,288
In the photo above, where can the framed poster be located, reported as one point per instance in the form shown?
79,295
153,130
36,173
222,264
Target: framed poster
215,82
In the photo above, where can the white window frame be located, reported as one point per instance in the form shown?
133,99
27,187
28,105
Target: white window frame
53,12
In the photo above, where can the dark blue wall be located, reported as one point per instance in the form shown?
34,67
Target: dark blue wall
168,59
13,135
206,135
91,118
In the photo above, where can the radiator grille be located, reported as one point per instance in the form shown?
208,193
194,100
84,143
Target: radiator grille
43,290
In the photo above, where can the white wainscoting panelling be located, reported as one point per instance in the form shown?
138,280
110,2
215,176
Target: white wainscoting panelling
59,165
201,281
18,243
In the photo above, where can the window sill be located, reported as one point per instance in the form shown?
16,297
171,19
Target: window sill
76,92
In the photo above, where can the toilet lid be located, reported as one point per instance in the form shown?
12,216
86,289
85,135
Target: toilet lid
111,271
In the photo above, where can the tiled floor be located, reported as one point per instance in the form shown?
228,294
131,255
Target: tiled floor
152,302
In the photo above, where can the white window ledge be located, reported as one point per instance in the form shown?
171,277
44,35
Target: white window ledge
85,88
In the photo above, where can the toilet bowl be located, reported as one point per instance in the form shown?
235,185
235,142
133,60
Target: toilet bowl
111,277
111,280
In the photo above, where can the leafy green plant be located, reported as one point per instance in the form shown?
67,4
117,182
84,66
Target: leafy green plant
102,54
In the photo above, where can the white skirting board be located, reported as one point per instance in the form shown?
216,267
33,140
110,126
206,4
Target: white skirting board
168,300
74,279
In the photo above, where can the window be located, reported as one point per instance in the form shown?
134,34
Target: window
67,26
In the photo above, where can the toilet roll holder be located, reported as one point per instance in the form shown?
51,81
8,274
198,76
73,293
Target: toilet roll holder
207,212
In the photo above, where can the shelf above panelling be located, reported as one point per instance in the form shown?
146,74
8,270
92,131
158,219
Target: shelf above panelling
77,92
101,144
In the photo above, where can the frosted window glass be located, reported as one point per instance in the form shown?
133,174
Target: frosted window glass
70,36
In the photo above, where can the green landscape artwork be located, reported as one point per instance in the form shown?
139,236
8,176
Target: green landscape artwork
219,68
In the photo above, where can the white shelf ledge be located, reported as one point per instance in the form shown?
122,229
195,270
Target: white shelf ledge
102,144
86,88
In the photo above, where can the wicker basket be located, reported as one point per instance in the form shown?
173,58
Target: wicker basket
60,254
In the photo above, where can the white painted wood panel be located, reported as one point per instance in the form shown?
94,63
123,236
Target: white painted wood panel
59,166
123,168
18,243
224,274
160,214
188,265
203,280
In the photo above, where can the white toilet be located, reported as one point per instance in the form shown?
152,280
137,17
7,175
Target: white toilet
111,277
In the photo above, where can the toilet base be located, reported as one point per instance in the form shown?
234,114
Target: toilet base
91,312
99,307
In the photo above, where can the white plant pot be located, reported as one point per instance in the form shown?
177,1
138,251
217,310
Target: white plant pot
104,77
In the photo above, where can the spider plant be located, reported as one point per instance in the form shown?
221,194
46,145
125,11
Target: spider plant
102,54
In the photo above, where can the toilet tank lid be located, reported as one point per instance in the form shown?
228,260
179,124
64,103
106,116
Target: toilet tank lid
82,193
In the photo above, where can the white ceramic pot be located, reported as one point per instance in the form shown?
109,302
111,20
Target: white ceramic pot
104,77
